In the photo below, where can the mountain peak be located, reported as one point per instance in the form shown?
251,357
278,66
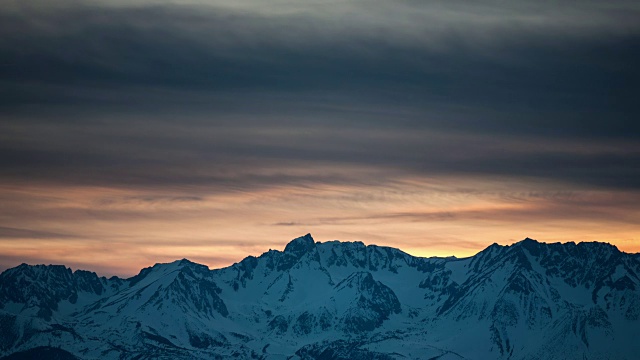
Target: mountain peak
530,244
300,245
185,261
598,245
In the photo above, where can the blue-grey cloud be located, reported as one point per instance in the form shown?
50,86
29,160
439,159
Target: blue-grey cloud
231,96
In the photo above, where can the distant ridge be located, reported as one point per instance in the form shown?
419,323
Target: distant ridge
336,300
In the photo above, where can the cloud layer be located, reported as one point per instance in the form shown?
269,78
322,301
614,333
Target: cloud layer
172,129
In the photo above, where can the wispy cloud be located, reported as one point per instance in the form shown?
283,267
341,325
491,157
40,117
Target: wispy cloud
200,128
14,233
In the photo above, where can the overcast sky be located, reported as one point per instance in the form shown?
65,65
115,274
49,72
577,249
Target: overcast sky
135,132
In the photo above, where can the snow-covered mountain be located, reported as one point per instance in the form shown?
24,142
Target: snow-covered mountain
335,300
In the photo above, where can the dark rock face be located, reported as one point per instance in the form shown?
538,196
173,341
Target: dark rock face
279,324
300,246
43,287
340,350
41,353
9,331
194,287
375,302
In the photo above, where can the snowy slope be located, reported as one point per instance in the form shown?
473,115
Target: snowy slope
338,300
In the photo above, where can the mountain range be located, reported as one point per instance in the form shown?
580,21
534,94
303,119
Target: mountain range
335,300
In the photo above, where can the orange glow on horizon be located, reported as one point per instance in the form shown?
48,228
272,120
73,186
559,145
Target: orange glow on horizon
119,231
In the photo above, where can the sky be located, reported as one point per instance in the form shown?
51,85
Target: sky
144,131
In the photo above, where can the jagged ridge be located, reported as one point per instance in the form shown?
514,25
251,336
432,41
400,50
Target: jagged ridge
337,300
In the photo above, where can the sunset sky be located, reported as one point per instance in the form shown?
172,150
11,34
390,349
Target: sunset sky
136,132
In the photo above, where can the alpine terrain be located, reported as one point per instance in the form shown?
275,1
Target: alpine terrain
335,300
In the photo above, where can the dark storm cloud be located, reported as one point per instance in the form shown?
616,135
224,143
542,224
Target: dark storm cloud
237,159
154,94
580,70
